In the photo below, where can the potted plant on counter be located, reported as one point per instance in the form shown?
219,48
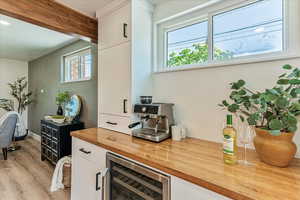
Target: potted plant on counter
273,113
61,99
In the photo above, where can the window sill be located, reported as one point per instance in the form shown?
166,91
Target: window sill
238,61
75,81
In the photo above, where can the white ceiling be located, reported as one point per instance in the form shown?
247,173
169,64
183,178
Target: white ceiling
24,41
89,7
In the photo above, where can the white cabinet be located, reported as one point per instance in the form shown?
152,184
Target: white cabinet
114,80
84,180
125,32
181,189
88,168
115,27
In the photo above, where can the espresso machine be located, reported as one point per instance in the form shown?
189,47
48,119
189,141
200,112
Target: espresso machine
155,122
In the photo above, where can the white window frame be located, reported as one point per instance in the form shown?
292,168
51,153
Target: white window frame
179,26
63,80
160,30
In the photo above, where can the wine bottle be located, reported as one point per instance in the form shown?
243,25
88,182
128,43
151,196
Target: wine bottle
229,142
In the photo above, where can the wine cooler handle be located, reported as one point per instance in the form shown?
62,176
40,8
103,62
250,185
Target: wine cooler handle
97,181
104,174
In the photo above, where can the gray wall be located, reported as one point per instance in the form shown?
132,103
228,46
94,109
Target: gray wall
44,74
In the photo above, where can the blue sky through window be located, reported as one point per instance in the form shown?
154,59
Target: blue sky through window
253,29
196,33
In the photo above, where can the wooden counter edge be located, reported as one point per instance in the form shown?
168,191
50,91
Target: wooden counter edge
202,183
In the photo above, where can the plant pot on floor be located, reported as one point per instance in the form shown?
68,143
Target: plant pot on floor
275,150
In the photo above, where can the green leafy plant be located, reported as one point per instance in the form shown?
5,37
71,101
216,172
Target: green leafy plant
274,109
18,91
62,97
198,54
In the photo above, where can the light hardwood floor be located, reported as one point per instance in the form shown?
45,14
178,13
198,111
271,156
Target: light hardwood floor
25,177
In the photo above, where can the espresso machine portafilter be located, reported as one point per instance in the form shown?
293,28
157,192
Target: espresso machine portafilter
155,121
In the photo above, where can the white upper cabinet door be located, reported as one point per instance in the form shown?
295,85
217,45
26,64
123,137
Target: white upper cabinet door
115,28
115,80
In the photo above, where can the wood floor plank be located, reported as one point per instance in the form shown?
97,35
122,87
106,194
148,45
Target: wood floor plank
25,177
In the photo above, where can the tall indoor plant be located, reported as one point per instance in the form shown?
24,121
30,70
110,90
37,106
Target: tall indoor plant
19,93
273,112
18,90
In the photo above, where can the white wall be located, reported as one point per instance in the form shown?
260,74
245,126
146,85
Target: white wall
10,70
196,93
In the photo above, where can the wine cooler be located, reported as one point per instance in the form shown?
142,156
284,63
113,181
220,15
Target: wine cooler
127,180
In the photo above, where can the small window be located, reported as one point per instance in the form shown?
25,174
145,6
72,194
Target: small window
188,45
250,30
77,66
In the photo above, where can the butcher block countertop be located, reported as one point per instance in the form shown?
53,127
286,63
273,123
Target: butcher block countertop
201,163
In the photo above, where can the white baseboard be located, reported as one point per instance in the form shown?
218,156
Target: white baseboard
34,136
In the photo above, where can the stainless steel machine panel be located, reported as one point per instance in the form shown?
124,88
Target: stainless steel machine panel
155,121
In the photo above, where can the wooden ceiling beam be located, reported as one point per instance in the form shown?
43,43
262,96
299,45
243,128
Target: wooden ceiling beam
52,15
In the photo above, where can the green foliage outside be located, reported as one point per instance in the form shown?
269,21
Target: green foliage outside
197,54
275,109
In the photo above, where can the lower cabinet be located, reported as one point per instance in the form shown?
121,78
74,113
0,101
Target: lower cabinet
89,170
84,180
181,189
88,166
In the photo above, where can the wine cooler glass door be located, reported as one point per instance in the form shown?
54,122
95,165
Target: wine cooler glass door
130,181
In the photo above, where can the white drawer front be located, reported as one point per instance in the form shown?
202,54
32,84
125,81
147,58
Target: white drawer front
89,152
115,123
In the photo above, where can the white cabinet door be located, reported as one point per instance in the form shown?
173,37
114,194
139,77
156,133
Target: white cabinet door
115,28
115,80
84,174
181,189
88,165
